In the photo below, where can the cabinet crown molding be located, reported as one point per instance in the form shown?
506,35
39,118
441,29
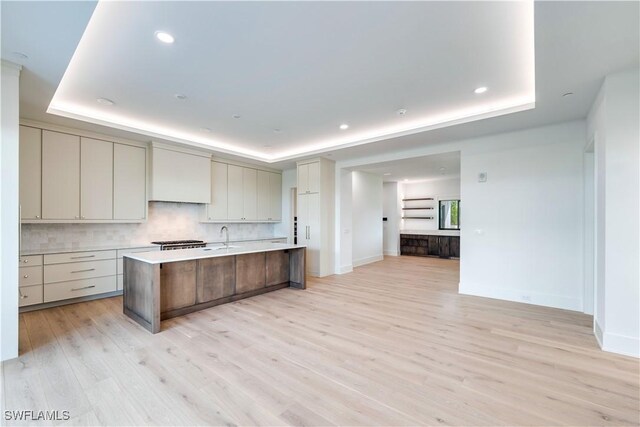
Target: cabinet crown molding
179,149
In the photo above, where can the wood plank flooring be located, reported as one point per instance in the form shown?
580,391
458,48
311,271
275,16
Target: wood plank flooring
389,344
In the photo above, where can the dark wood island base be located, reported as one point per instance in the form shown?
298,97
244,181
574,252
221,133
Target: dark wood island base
157,291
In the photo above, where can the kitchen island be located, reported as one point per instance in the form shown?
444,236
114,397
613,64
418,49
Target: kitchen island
166,284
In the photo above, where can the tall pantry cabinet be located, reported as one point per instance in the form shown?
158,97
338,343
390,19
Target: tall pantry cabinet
316,194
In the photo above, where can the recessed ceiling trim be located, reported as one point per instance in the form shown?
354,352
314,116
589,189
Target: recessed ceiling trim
521,97
154,131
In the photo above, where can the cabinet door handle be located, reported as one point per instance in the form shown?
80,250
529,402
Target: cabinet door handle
26,276
83,256
37,216
25,261
22,296
83,271
84,287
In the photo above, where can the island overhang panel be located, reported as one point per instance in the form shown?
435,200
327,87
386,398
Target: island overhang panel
162,285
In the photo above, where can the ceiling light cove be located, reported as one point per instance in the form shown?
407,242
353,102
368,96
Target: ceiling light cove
165,37
304,119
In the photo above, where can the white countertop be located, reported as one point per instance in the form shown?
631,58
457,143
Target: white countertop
62,249
432,232
200,253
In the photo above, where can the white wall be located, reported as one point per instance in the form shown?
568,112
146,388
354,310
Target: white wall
528,213
344,241
522,233
367,218
9,206
439,189
613,123
391,211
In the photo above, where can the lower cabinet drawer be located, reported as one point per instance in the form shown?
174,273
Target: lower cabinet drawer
79,288
30,295
29,276
79,270
119,282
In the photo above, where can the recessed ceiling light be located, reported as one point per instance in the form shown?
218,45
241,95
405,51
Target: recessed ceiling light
19,55
344,126
105,101
164,37
387,174
236,116
401,112
180,96
567,94
406,180
481,89
207,130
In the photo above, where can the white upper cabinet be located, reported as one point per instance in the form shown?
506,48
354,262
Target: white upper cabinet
309,178
217,209
235,193
30,172
129,182
264,196
60,176
269,196
180,175
96,179
275,196
244,194
71,178
250,194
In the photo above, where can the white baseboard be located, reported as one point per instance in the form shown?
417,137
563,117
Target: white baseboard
368,260
527,297
597,331
391,253
345,269
621,344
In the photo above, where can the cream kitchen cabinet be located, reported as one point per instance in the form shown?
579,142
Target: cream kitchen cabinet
70,178
309,230
60,176
269,196
309,177
316,190
96,179
218,208
30,173
242,193
129,182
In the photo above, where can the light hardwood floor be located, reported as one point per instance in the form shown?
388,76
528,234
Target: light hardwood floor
390,344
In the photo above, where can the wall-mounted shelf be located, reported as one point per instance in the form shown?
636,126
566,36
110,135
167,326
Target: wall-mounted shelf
413,209
417,217
412,200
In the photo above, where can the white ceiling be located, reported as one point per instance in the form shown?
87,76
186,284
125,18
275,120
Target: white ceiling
302,68
576,45
437,166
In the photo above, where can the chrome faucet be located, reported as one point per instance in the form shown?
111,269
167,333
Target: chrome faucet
226,230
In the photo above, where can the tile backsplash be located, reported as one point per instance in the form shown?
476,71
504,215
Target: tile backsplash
166,221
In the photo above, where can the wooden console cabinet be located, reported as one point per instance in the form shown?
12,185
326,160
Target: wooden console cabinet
430,245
